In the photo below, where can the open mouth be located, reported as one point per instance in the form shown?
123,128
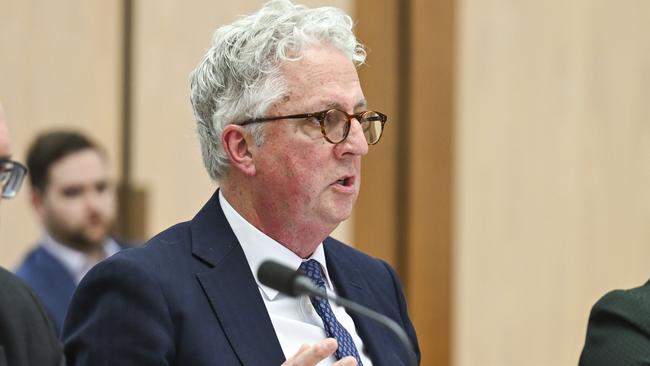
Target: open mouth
345,181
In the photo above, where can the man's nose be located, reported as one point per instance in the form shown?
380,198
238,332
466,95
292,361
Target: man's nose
94,201
356,142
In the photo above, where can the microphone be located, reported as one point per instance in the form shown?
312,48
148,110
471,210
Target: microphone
293,283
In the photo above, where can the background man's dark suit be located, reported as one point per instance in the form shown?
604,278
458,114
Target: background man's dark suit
188,297
27,336
52,282
619,329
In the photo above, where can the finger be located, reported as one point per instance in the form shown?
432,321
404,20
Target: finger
302,349
292,360
346,361
310,355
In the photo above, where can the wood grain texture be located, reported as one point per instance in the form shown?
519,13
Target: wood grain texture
553,157
59,68
406,214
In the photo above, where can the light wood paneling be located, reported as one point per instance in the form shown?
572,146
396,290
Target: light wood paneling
430,189
376,213
406,213
59,67
553,157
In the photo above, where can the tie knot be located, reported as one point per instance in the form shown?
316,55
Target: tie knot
312,269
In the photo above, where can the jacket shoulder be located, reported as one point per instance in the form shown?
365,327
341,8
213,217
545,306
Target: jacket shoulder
174,238
31,261
618,332
354,255
168,249
26,332
632,304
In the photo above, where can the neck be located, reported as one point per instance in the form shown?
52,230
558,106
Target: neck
94,252
262,212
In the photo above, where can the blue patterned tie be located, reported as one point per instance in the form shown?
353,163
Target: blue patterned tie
333,328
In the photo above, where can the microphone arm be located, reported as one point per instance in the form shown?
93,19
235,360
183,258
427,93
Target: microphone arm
292,283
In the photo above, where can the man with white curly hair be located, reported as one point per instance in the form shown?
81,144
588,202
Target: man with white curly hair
283,124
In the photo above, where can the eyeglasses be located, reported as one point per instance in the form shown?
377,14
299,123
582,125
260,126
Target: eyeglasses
12,174
335,124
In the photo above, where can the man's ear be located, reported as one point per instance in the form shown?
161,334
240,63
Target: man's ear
37,200
237,143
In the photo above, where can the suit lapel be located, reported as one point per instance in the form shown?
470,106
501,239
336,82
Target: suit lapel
350,283
232,290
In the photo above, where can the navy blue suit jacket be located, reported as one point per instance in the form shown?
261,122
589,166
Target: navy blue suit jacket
188,297
51,281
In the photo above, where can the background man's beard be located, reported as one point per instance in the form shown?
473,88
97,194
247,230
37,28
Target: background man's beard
78,239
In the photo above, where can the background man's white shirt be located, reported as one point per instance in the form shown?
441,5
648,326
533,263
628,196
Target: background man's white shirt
76,262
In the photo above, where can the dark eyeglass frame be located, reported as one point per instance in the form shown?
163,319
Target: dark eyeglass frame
320,117
12,174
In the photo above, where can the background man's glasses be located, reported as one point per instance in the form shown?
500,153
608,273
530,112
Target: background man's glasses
335,124
12,174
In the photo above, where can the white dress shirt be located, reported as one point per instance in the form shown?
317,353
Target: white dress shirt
294,319
76,262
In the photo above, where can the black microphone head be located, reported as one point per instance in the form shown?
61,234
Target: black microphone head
279,277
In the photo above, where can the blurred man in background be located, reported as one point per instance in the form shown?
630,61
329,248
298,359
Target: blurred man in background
27,336
74,201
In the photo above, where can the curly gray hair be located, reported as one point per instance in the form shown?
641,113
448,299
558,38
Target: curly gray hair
239,77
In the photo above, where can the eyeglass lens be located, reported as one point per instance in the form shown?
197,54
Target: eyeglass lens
11,177
337,126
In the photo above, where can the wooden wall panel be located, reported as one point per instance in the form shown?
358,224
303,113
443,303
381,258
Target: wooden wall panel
430,189
376,213
553,150
406,213
60,67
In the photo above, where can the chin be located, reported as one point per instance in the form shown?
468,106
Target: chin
336,211
97,240
338,217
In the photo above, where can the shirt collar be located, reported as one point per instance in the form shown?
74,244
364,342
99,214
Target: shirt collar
259,247
76,262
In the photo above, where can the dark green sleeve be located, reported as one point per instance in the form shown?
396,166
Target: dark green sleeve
618,332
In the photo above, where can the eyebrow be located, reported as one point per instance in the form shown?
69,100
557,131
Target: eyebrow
363,103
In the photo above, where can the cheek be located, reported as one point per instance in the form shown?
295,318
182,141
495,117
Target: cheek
64,219
293,165
306,168
65,209
108,204
110,211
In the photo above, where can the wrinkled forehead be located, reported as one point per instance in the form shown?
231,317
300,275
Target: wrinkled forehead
322,77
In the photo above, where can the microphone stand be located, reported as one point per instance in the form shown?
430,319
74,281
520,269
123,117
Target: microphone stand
292,283
304,285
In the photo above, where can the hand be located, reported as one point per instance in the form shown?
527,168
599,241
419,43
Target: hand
311,354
